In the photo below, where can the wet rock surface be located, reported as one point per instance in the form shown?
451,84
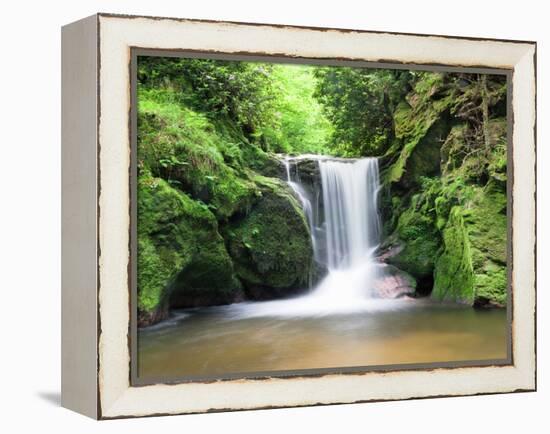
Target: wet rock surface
393,283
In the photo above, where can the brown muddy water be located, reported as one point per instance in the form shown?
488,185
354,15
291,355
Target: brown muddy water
259,337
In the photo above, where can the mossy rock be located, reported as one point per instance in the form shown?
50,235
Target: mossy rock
185,149
270,165
421,124
418,241
271,246
181,255
452,149
425,160
472,268
307,171
457,161
497,167
454,276
487,230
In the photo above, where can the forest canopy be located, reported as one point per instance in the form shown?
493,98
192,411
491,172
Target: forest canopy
299,109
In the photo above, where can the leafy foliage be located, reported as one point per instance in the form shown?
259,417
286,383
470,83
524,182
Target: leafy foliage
238,91
360,104
300,122
182,146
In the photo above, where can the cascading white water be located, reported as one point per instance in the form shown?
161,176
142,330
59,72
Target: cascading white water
306,205
350,193
345,231
352,225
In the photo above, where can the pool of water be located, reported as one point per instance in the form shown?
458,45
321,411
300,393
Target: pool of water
264,336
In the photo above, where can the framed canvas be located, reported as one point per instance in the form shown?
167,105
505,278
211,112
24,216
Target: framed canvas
262,216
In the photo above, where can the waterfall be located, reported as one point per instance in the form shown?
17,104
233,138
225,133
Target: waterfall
350,193
352,231
344,225
305,202
342,213
345,228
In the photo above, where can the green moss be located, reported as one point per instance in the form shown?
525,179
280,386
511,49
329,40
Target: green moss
487,223
179,247
420,124
488,237
417,235
390,208
454,275
187,150
461,154
451,149
154,272
498,157
442,209
270,165
491,281
472,267
271,246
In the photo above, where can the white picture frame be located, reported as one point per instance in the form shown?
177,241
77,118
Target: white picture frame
96,212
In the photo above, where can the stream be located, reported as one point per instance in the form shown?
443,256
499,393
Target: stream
225,340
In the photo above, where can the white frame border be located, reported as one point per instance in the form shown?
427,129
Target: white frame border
116,35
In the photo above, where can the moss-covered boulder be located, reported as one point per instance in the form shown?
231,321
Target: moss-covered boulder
472,268
271,246
184,147
421,123
182,260
270,165
487,230
454,277
415,242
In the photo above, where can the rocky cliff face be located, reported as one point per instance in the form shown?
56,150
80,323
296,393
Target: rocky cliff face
444,201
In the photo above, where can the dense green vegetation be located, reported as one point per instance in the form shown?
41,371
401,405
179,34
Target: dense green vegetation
271,106
361,103
216,224
215,229
445,175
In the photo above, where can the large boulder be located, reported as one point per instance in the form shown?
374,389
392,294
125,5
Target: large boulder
183,147
454,277
487,230
271,245
414,244
270,165
391,282
182,260
472,268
